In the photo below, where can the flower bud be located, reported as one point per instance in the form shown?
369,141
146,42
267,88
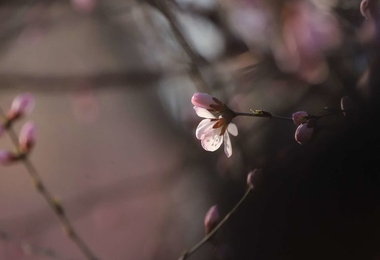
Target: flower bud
211,219
207,101
300,117
253,176
345,105
304,133
6,157
27,137
23,104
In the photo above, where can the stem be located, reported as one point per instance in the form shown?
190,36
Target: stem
190,251
49,198
264,114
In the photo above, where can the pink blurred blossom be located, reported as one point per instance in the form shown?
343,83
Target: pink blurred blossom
6,157
22,105
307,33
27,137
84,5
212,219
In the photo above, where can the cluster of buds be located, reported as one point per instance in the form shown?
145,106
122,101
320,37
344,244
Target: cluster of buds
21,106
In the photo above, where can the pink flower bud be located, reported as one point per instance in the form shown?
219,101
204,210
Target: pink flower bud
21,105
6,157
304,133
211,219
206,101
255,174
299,117
250,179
27,137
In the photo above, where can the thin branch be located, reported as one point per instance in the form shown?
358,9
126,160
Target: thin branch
262,113
193,249
54,204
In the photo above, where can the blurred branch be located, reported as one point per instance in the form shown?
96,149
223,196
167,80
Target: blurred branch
31,249
197,61
53,203
67,82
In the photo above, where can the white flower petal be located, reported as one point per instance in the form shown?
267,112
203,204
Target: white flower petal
212,140
202,112
232,128
204,126
227,145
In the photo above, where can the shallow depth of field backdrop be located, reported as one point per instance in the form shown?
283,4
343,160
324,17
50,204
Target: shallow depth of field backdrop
116,140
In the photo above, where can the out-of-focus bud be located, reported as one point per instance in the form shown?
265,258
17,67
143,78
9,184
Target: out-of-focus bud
207,101
364,9
252,177
345,105
211,219
6,157
300,117
27,137
22,105
304,132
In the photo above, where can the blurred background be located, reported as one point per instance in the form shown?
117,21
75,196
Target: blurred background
116,140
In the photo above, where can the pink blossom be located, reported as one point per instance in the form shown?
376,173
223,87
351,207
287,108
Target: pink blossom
207,101
211,219
299,117
304,133
22,105
212,131
6,157
27,137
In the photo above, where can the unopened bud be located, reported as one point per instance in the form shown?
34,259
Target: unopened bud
253,175
304,133
27,137
300,117
211,219
7,157
346,105
22,105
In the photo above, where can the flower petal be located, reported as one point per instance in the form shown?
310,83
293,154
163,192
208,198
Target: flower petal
202,112
232,128
227,145
212,140
204,126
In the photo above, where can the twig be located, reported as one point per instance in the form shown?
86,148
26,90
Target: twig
54,204
193,249
262,113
